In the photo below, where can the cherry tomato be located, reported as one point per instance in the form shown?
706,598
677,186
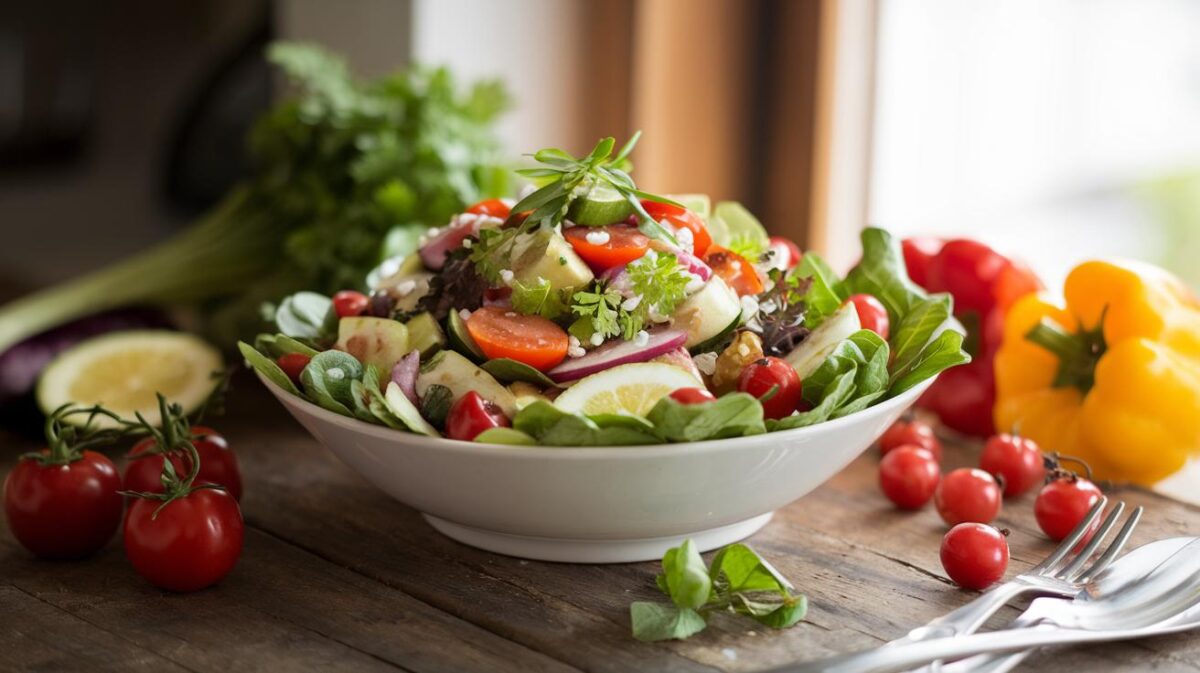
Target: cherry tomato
871,314
63,510
762,376
292,364
1062,504
737,272
794,254
189,544
218,465
1016,460
918,253
911,432
691,396
349,303
974,555
503,333
681,218
967,495
471,415
491,207
908,476
623,245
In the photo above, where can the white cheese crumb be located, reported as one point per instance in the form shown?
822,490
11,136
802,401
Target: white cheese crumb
655,316
467,243
749,307
487,221
597,339
706,363
336,373
506,276
632,302
464,314
597,237
432,231
405,288
574,348
641,338
687,240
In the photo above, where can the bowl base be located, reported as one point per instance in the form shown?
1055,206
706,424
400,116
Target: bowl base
569,550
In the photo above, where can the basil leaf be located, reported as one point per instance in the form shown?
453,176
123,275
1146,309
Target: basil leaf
938,355
740,568
654,621
917,327
732,415
825,294
267,367
686,576
882,274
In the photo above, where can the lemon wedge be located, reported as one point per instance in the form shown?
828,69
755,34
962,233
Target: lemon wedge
123,371
625,389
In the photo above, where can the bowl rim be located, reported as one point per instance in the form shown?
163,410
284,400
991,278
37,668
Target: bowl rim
581,452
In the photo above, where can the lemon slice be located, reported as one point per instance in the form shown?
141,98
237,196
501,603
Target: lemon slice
123,370
625,389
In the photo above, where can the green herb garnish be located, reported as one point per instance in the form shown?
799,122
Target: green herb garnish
539,298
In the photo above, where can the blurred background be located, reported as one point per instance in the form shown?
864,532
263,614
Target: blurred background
1053,129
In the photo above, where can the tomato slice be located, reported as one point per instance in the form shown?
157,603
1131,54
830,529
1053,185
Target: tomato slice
503,333
681,218
492,207
609,246
737,272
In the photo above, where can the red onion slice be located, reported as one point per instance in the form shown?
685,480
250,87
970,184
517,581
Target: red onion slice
404,375
618,352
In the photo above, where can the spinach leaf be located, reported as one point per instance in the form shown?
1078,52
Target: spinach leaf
740,568
552,426
685,576
655,621
881,273
507,370
940,354
825,294
732,415
505,436
917,327
267,367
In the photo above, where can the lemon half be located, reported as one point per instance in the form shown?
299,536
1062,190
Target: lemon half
625,389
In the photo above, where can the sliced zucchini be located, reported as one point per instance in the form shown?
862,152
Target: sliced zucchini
817,346
601,205
460,339
406,412
709,312
460,375
378,341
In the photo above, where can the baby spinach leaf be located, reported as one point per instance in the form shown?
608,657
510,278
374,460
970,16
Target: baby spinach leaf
825,294
773,614
740,568
267,367
917,327
552,426
686,576
940,354
732,415
507,370
882,274
654,621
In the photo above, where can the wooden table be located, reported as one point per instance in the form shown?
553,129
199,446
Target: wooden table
337,576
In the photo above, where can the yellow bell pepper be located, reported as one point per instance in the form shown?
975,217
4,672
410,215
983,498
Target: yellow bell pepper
1112,378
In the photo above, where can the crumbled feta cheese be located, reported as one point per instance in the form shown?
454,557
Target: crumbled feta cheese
749,306
641,338
487,221
336,373
432,231
632,302
574,348
655,316
650,255
464,314
597,237
467,243
597,339
706,363
687,240
405,288
506,276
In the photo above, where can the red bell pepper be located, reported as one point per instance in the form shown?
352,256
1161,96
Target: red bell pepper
984,284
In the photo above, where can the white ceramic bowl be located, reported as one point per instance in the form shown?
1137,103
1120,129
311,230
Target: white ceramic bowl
598,504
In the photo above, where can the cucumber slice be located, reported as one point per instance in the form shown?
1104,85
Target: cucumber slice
267,367
460,375
718,341
460,339
425,335
811,352
406,412
332,372
697,203
709,312
601,205
124,371
378,341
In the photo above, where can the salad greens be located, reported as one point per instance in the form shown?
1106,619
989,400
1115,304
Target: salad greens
342,174
738,581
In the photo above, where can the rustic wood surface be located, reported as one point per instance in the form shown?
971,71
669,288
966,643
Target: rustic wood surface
337,576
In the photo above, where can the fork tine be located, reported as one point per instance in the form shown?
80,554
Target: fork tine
1084,554
1071,540
1115,548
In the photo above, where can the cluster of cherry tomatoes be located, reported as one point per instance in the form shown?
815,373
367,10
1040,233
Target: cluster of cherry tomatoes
974,553
183,527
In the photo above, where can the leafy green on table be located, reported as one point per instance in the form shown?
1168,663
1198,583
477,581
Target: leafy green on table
738,581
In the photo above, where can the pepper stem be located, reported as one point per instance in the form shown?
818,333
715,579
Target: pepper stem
1078,352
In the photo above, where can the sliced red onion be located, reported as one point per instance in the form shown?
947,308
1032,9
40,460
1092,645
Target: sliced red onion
449,239
694,265
680,357
404,375
619,352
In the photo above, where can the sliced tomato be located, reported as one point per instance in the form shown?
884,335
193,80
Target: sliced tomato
737,272
617,244
491,207
681,218
503,333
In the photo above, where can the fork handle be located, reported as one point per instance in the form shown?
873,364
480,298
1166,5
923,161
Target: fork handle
966,619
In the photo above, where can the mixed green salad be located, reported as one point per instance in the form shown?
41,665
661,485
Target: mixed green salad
591,313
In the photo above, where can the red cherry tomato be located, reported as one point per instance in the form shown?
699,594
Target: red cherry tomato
189,544
63,510
218,465
681,218
623,245
349,303
908,476
1062,504
918,253
737,272
967,495
794,254
471,415
492,208
974,555
691,396
292,364
871,314
760,377
911,432
1016,460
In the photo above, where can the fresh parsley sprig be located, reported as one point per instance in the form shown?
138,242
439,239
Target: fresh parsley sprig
572,178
